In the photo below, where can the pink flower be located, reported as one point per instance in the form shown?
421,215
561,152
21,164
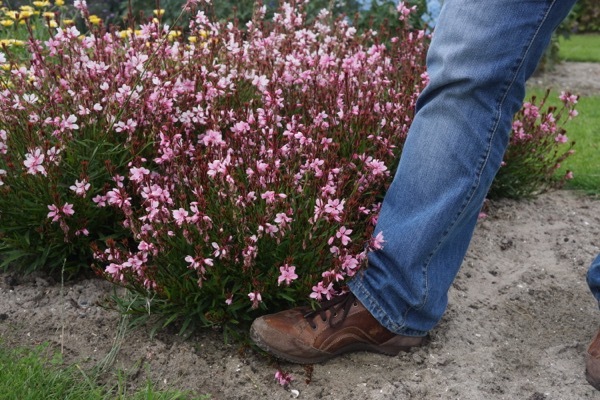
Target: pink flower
282,219
530,110
332,276
128,126
68,123
284,378
180,216
271,229
67,209
288,274
255,298
404,11
82,232
568,98
268,196
33,162
569,175
350,265
560,138
54,212
260,82
137,174
3,139
335,208
57,212
81,5
118,199
377,241
319,291
80,188
100,200
342,234
53,155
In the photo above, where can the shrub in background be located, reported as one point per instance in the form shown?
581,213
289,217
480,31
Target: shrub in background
586,16
269,166
247,166
62,143
538,145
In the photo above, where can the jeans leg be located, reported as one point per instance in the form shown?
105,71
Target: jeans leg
593,278
481,54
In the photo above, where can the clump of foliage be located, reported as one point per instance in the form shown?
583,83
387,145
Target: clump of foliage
538,146
217,170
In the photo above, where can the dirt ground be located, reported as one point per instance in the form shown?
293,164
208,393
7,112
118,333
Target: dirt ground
519,320
582,78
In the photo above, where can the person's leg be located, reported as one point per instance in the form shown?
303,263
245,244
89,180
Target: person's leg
481,54
480,57
592,364
593,278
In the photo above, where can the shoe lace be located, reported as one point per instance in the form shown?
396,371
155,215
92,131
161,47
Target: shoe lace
336,305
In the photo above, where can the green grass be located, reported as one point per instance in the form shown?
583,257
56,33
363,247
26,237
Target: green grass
584,48
27,374
585,131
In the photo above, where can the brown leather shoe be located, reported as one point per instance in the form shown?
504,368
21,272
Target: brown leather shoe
592,362
342,325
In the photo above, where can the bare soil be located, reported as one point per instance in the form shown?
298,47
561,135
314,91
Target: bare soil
581,78
517,327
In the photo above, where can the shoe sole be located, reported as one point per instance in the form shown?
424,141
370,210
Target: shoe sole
591,380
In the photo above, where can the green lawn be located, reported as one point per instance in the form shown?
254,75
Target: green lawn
585,131
585,48
33,375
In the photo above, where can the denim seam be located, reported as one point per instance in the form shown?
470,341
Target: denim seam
484,161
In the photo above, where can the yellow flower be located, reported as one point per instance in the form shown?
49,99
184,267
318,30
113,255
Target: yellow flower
125,34
7,22
5,67
68,21
52,24
193,39
12,14
26,8
11,42
95,20
203,34
25,14
172,35
41,4
159,13
48,14
59,3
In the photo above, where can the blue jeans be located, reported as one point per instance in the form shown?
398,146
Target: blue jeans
481,54
593,278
